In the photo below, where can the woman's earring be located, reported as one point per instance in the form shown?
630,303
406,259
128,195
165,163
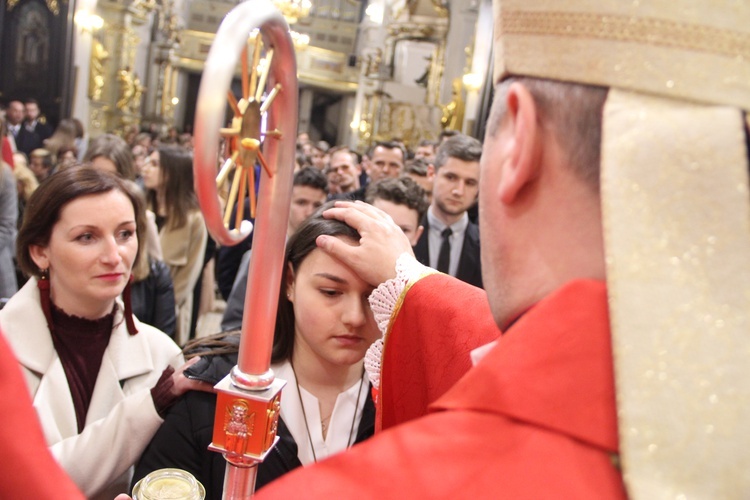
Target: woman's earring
128,313
44,295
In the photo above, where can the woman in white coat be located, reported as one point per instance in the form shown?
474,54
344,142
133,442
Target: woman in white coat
98,378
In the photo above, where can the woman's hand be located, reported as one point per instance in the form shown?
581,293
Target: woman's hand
182,384
381,241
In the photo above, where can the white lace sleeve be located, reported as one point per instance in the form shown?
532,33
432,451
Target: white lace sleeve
383,301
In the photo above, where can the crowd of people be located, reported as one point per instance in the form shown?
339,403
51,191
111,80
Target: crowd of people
123,213
554,361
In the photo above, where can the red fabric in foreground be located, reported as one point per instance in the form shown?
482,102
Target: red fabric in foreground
428,347
28,470
7,153
534,419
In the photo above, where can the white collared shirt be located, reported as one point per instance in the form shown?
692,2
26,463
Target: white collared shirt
340,426
435,240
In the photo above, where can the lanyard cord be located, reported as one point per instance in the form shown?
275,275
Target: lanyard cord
304,413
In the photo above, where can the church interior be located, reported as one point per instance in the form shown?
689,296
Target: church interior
368,70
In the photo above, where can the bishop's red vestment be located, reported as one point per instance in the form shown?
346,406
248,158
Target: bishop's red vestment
534,419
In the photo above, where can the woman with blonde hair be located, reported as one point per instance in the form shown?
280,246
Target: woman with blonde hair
26,184
64,137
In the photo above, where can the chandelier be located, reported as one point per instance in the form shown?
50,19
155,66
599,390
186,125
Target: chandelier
300,40
293,10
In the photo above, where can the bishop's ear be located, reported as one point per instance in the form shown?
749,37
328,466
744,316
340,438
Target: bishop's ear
524,147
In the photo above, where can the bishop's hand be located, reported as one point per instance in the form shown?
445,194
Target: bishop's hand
380,245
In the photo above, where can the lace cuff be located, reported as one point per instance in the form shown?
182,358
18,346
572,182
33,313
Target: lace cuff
384,301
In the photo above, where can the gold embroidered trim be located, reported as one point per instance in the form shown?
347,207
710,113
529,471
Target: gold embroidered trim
650,31
400,302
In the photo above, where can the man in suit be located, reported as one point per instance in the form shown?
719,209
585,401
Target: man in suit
346,172
385,159
34,122
450,242
14,116
31,133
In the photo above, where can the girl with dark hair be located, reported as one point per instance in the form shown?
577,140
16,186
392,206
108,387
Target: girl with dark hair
99,379
111,154
168,177
324,326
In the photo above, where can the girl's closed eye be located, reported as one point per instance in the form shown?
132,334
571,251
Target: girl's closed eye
328,292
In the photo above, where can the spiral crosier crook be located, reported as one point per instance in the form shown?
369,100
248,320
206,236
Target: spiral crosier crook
247,404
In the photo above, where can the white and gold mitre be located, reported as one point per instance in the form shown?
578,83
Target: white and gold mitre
687,49
676,215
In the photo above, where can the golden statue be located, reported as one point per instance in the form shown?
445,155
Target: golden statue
127,90
144,6
374,61
441,7
453,112
96,73
138,90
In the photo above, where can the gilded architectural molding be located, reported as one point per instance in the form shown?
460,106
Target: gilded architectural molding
52,5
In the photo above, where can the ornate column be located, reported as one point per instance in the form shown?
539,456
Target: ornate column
163,72
399,85
116,87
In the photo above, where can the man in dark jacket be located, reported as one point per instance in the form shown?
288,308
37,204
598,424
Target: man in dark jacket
450,242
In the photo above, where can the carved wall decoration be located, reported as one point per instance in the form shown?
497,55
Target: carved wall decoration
453,112
406,121
52,5
36,55
99,56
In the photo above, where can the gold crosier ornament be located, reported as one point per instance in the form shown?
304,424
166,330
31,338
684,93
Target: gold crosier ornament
247,406
676,220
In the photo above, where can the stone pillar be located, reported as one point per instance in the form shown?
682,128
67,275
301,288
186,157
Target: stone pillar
402,57
305,109
479,65
164,77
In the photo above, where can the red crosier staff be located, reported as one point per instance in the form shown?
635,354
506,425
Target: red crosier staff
248,399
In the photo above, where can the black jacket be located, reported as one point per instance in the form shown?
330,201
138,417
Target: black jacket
29,140
228,257
469,266
183,439
153,298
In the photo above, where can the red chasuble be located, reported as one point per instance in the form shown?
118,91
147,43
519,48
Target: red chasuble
534,419
29,471
428,344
